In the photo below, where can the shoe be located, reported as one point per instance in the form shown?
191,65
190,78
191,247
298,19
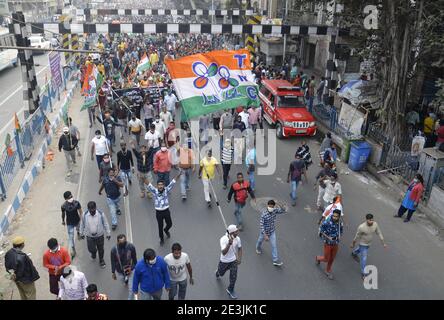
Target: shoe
258,251
329,275
217,275
168,234
278,263
225,187
317,261
355,256
184,198
162,242
73,253
102,264
114,227
68,174
232,294
364,275
118,212
74,163
93,256
209,204
188,189
293,203
406,220
130,182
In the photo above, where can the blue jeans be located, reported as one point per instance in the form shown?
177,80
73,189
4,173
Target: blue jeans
294,186
274,250
238,212
310,104
71,235
113,205
125,175
251,179
362,251
165,176
182,289
185,181
150,296
130,282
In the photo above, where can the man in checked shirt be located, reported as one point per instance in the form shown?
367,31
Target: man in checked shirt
268,230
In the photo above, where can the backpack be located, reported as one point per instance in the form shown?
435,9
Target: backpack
241,192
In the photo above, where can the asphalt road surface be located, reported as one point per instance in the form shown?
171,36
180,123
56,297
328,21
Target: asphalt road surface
11,95
408,269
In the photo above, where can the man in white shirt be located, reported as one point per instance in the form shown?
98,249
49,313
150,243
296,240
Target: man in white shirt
230,258
99,146
170,102
72,285
332,189
165,117
160,127
178,263
245,116
153,138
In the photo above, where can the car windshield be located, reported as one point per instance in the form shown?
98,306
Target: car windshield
290,102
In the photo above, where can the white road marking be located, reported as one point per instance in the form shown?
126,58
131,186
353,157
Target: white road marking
129,227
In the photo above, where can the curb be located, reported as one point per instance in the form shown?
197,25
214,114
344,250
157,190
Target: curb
36,168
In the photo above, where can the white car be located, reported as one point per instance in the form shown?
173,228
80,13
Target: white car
39,42
8,57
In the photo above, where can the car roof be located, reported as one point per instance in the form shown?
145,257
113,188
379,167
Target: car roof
274,85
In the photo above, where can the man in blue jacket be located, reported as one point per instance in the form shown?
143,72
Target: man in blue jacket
151,274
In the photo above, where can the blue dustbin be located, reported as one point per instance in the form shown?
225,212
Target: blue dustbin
359,154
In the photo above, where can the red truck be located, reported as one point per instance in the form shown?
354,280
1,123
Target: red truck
283,106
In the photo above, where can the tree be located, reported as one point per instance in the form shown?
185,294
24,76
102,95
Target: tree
408,38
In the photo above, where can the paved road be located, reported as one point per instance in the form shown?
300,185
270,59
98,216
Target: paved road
408,269
11,98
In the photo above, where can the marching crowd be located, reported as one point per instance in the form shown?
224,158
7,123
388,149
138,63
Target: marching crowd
156,150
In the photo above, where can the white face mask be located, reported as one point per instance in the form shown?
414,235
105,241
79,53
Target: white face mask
98,136
270,209
415,180
70,200
54,251
151,262
163,149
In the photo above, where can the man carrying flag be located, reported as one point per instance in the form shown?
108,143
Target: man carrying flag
144,64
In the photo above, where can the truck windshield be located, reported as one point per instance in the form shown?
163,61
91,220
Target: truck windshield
290,102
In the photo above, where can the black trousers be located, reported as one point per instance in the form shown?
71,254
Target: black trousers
162,215
96,244
403,209
224,267
226,170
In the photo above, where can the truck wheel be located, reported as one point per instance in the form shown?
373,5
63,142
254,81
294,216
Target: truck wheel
279,131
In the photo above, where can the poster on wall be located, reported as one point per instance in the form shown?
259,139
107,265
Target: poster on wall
351,119
417,146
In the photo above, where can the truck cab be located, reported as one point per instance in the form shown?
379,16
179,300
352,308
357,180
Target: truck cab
283,106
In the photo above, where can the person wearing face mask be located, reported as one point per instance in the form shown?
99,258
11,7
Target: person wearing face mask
166,117
331,231
364,235
105,166
73,285
332,189
230,257
72,210
162,164
178,263
99,147
55,259
240,189
162,205
268,230
94,225
144,166
21,269
123,262
207,172
135,127
412,198
153,138
159,127
150,276
68,143
112,184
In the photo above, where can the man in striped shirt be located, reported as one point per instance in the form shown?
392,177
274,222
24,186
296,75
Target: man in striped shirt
162,205
268,230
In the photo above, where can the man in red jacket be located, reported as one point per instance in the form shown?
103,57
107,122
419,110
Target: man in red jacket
55,259
240,189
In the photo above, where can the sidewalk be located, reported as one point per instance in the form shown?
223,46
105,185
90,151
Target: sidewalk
31,219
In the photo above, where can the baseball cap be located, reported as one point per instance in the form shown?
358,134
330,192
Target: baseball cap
232,228
18,240
65,129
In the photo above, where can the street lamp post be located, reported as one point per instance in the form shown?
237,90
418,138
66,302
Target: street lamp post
285,36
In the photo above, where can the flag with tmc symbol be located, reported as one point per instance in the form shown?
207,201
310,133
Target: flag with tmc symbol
213,81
